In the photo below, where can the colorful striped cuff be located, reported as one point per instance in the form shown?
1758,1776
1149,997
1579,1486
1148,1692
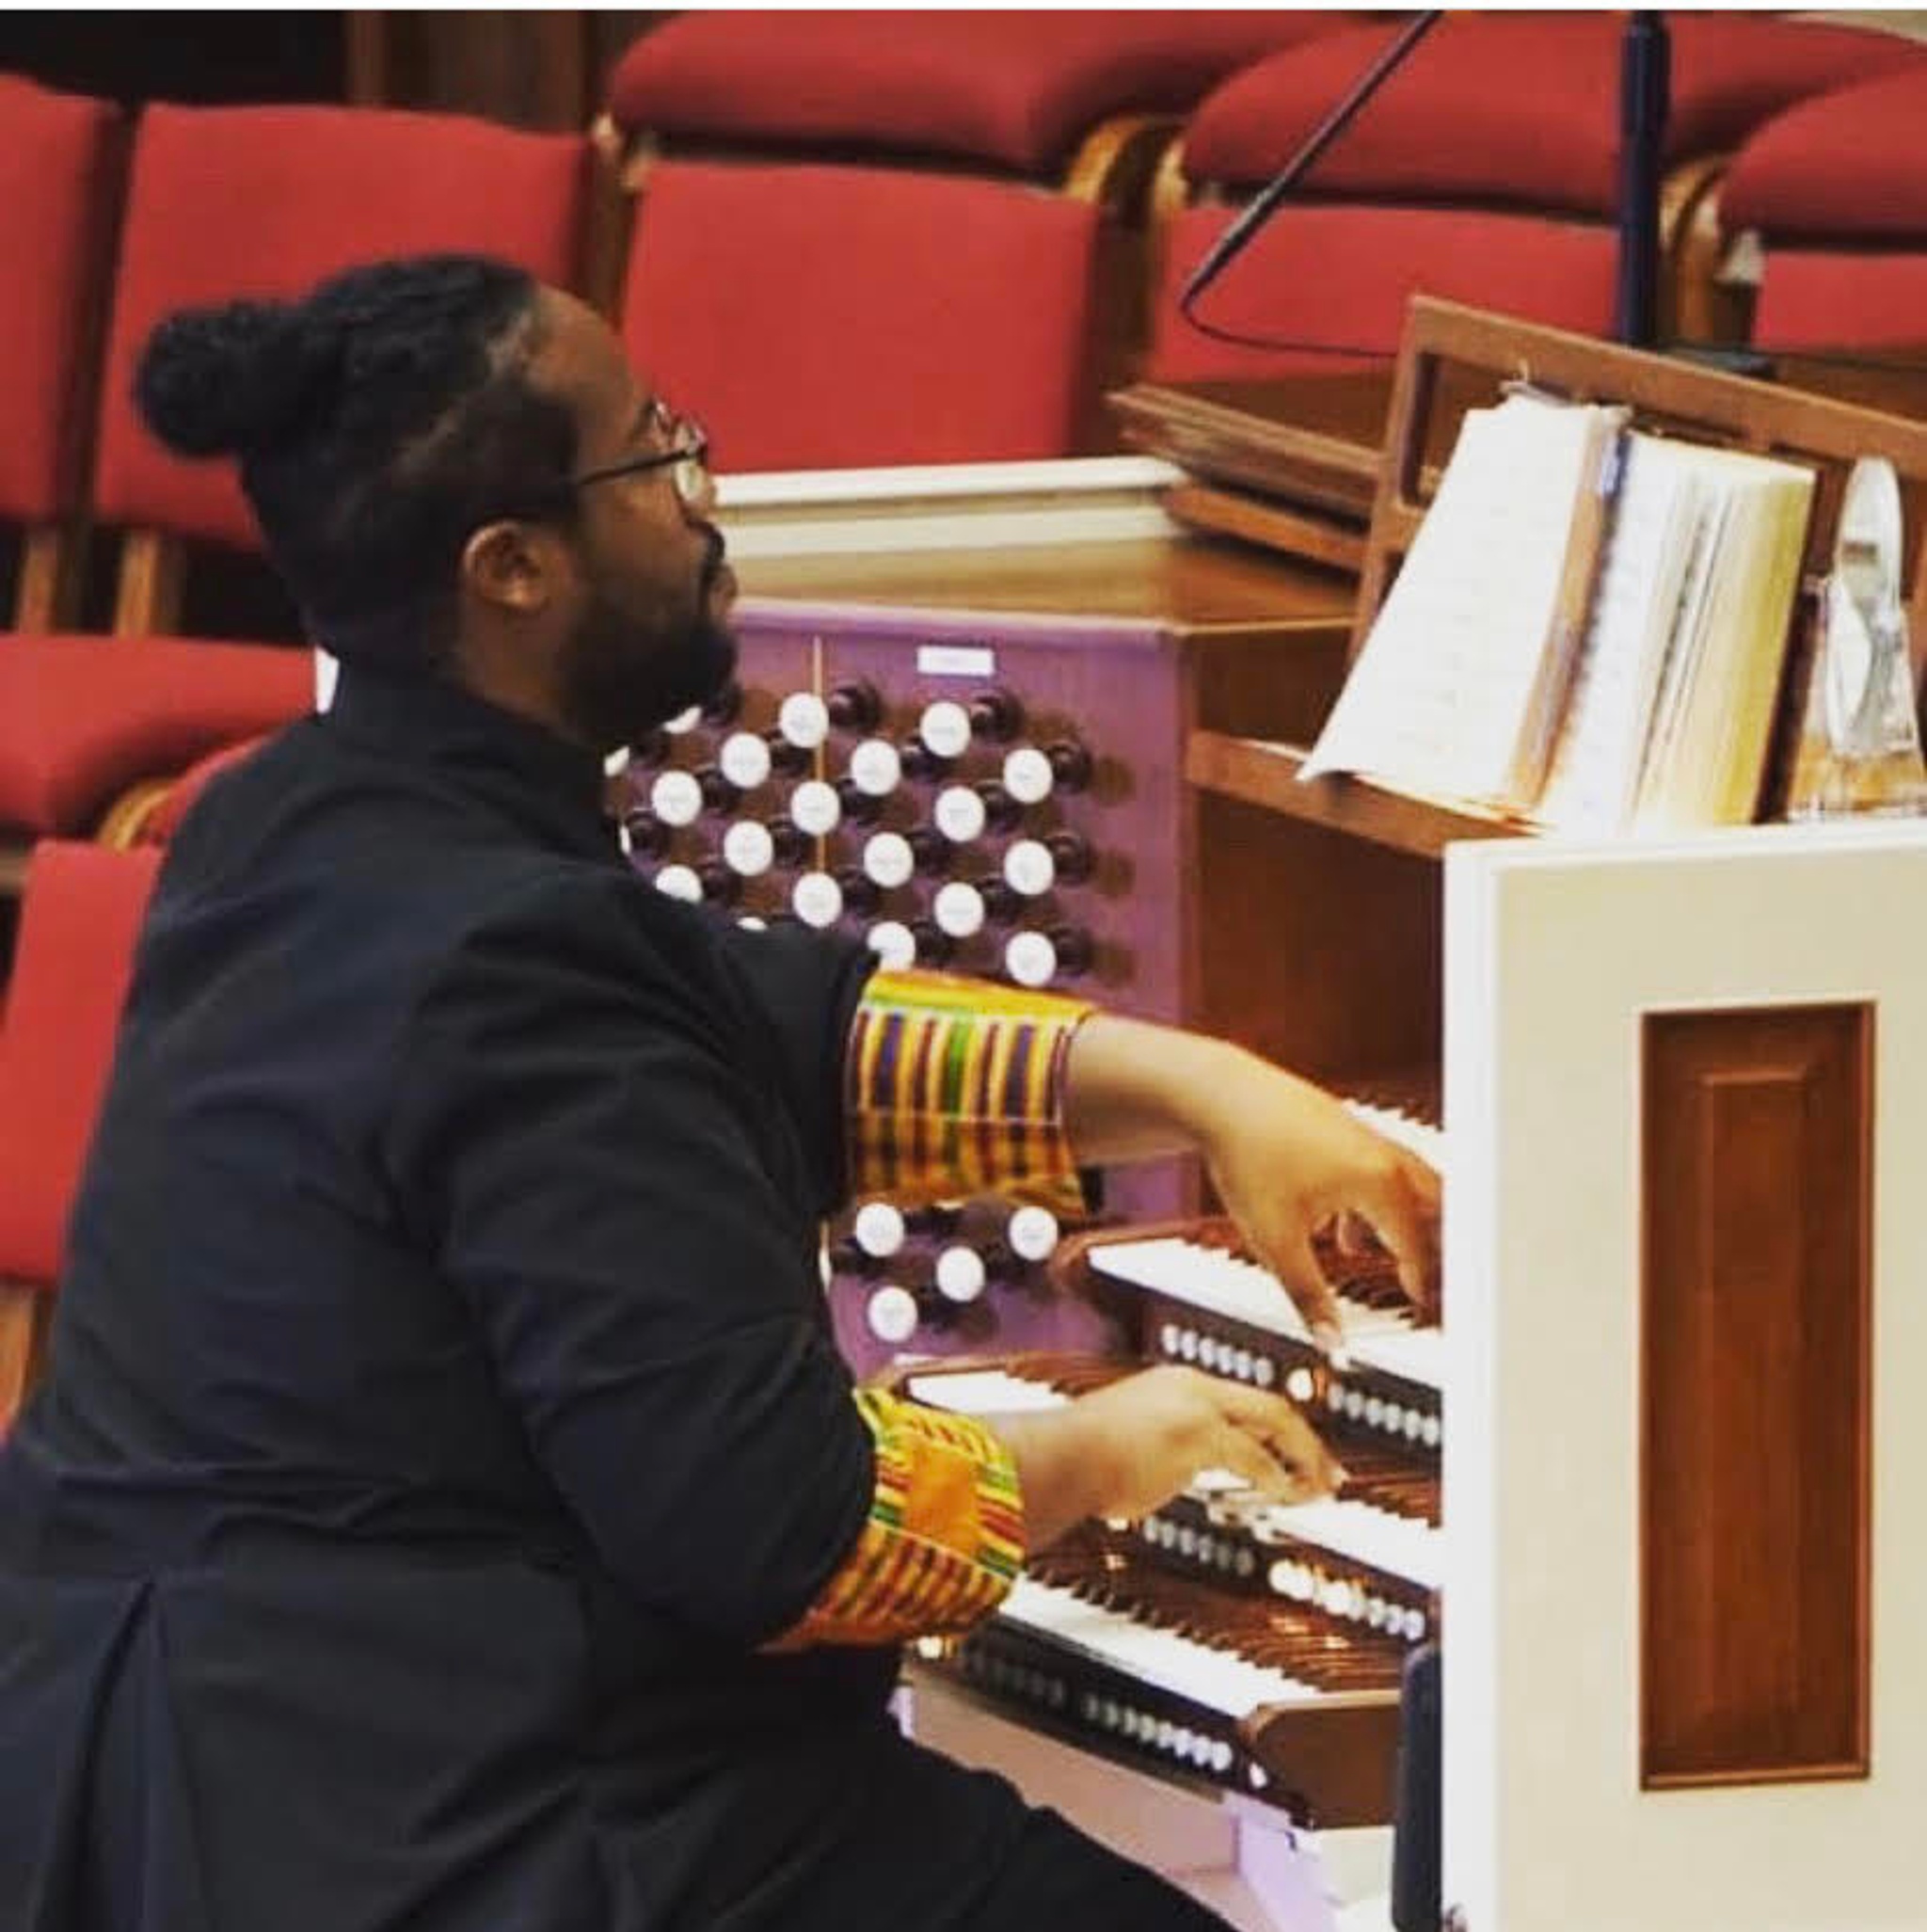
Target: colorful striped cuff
955,1087
944,1536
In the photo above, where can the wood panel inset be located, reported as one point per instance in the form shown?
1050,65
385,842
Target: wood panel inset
1755,1435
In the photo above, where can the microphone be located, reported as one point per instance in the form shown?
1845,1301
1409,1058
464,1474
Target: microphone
1237,237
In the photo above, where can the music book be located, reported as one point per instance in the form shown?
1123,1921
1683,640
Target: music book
1589,629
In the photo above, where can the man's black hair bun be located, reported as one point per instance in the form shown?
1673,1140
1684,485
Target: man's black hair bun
234,379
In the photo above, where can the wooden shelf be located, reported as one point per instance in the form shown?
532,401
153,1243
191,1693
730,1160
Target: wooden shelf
1266,775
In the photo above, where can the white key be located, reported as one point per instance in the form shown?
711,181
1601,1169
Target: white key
1220,1679
1381,1339
1403,1546
983,1392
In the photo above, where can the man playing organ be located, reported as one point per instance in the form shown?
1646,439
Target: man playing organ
445,1504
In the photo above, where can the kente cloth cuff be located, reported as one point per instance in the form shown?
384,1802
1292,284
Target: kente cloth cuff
955,1087
943,1540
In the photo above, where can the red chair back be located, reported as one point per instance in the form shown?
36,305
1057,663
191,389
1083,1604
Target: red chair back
1834,188
80,917
1484,171
56,179
230,201
1015,90
831,318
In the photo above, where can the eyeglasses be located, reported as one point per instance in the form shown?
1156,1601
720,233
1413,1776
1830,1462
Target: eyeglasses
687,459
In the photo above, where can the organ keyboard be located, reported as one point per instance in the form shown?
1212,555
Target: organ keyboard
1253,1645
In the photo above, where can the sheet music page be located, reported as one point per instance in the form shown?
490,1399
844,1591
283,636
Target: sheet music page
1710,723
1656,535
1436,702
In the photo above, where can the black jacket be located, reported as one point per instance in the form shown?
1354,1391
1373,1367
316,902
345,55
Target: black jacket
441,1407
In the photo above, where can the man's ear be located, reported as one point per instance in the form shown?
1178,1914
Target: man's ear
513,567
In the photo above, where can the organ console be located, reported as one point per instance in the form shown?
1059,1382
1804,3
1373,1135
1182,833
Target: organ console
1684,1680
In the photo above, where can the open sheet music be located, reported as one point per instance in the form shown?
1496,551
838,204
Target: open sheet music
1589,629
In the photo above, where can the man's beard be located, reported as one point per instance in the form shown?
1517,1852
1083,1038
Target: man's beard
623,677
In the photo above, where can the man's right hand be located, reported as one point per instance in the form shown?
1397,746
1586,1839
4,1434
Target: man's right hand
1132,1447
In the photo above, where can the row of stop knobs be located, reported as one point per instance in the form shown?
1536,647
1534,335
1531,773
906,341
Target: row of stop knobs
889,861
875,1251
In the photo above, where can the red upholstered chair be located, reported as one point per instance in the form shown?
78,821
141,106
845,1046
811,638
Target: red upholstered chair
229,202
224,203
1834,191
60,163
1033,94
150,814
1485,170
829,317
836,191
79,919
84,718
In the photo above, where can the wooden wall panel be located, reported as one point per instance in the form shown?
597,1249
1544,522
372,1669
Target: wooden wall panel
1755,1334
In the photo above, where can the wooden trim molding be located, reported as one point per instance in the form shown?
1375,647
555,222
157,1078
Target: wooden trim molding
23,1307
1755,1445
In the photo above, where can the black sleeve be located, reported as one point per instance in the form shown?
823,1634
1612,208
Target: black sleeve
804,988
575,1134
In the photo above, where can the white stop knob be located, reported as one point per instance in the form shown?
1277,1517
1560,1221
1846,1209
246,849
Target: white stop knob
684,722
676,798
1028,776
875,767
888,859
879,1229
892,1314
960,1274
959,910
1029,868
945,728
804,720
680,881
959,814
745,760
750,923
748,849
894,944
817,899
816,808
1030,959
1033,1233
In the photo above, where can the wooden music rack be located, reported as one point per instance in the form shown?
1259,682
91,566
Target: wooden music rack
1446,351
